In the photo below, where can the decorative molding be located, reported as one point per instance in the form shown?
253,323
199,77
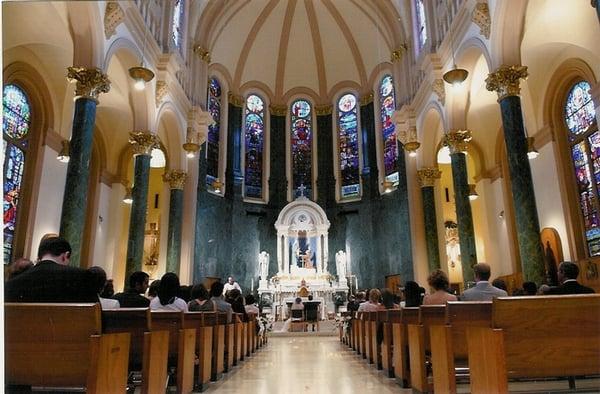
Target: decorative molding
113,16
366,99
492,174
543,136
397,54
481,17
143,142
235,100
108,178
175,178
457,140
53,140
439,89
278,110
203,54
90,82
325,109
161,91
428,175
506,80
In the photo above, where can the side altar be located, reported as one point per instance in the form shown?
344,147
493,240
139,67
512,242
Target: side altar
302,257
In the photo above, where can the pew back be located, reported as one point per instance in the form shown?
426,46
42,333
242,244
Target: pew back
463,314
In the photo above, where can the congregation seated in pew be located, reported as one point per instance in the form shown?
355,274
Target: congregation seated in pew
438,280
132,297
99,282
167,299
483,290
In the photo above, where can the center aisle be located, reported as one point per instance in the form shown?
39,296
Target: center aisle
305,365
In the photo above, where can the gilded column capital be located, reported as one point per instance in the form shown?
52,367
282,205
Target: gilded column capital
203,54
143,142
428,175
457,140
321,110
506,80
397,54
176,179
161,91
278,110
90,82
366,99
236,100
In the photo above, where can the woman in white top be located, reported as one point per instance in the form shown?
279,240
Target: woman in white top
167,299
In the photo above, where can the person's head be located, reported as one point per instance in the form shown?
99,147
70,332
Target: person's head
298,300
412,294
153,289
109,289
169,288
98,278
199,292
185,293
230,280
374,296
499,283
56,249
387,298
250,300
567,270
482,271
530,288
19,266
310,297
351,298
438,280
216,289
234,295
138,281
360,296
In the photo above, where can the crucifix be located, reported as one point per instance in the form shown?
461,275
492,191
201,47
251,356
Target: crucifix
302,189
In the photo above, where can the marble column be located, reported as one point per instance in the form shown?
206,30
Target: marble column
427,177
142,142
176,179
506,82
596,5
90,83
457,141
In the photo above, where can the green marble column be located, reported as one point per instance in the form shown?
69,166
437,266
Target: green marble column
457,141
505,81
176,179
427,177
142,143
90,83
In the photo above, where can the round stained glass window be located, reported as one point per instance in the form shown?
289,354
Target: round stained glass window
580,113
347,103
301,109
17,112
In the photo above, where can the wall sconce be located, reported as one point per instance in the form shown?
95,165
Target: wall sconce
65,152
501,215
128,199
217,186
532,153
472,192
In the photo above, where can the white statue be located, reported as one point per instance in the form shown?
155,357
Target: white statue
340,264
263,263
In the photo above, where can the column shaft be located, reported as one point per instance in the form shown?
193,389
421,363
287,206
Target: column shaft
174,231
137,218
464,216
528,227
74,206
431,236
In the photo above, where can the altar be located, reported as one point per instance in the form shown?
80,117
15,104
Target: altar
302,258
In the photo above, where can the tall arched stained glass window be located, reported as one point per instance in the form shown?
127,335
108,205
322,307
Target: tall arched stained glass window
254,127
387,106
15,130
177,23
421,22
301,147
348,146
584,138
214,131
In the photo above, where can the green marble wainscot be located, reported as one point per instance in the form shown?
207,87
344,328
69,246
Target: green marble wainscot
174,230
431,235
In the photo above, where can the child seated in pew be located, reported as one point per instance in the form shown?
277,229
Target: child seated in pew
439,283
99,282
167,299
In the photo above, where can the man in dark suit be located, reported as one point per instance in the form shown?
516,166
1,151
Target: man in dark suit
567,276
132,297
52,279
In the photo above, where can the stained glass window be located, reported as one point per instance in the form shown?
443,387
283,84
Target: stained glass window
387,102
254,146
348,146
214,131
15,130
421,22
177,23
580,118
301,147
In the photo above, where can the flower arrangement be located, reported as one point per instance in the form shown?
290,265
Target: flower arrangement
345,322
265,325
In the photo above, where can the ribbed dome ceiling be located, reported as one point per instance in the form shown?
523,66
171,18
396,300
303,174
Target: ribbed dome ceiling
288,46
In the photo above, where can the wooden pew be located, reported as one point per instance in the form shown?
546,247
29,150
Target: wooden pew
237,342
418,344
449,340
386,344
354,332
62,345
251,333
374,346
182,345
229,344
203,323
367,354
399,320
535,337
244,340
218,360
149,349
360,333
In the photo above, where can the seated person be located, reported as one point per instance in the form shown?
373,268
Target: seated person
216,303
132,297
99,282
439,283
312,310
167,299
199,297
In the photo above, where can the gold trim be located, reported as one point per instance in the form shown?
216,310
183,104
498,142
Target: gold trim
321,110
427,176
143,142
278,110
113,17
481,17
457,140
203,54
439,89
175,178
90,82
235,100
161,91
506,80
142,73
397,54
366,99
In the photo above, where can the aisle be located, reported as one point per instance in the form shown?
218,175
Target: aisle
305,365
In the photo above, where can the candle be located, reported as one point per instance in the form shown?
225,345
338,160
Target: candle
252,285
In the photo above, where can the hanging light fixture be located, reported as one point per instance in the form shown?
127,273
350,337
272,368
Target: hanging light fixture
472,192
411,147
141,75
532,153
217,186
65,152
190,146
456,75
128,199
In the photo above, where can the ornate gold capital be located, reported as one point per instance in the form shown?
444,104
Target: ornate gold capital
176,179
236,100
90,82
161,91
278,110
366,99
202,54
428,175
398,53
143,142
325,109
457,140
481,17
439,89
506,80
113,16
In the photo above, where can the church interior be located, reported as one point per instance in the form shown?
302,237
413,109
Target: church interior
328,146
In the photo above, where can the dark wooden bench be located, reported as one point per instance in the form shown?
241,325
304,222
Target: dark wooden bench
182,345
385,327
229,344
62,345
374,347
203,323
149,349
218,359
400,319
535,337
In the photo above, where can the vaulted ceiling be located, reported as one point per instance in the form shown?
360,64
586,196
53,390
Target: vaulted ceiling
290,46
